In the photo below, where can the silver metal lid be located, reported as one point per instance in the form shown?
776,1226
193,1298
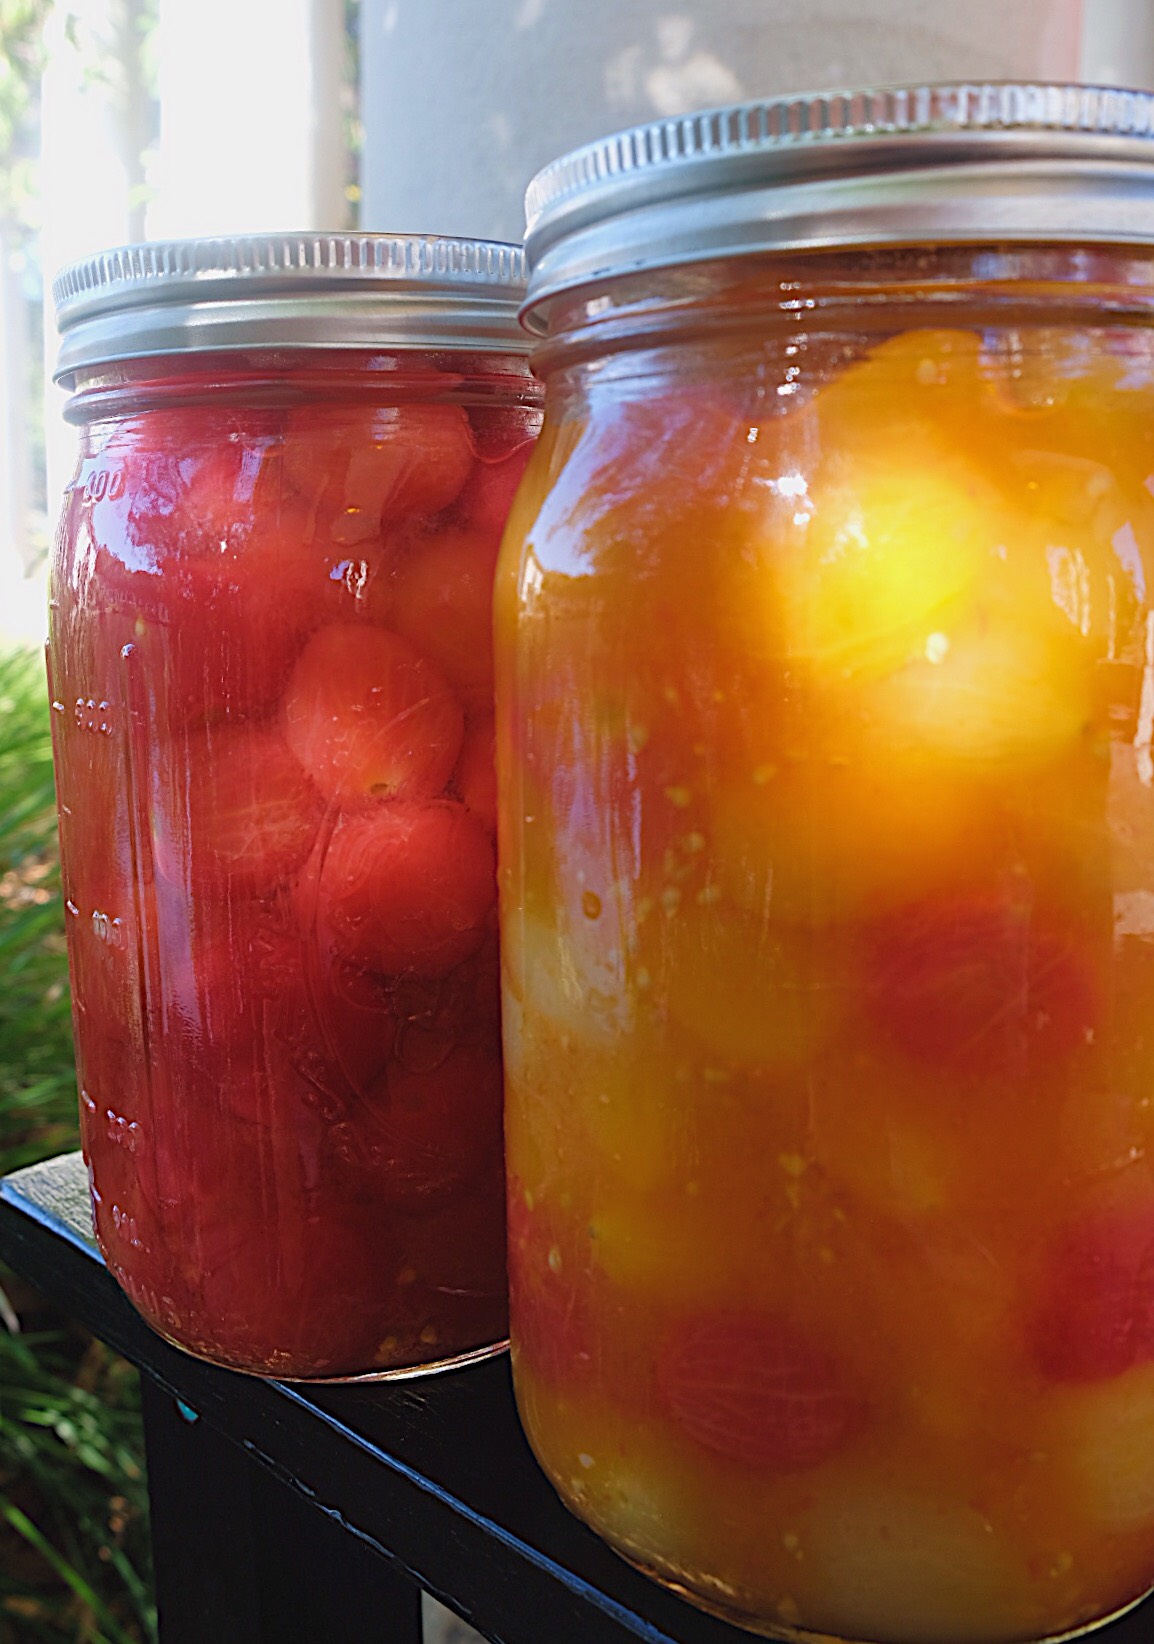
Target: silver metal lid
899,166
289,291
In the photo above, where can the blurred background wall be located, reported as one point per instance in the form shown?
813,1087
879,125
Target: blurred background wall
463,102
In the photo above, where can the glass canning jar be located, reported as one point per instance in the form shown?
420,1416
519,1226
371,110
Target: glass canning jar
825,692
270,665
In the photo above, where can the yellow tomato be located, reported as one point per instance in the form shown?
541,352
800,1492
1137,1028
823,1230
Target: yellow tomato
1102,1437
741,989
842,835
886,1560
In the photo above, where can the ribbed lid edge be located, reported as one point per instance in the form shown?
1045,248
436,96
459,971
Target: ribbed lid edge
782,123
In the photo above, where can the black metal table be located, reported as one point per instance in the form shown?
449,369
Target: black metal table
315,1515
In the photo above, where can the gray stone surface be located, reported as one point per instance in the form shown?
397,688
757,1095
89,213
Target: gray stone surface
443,1627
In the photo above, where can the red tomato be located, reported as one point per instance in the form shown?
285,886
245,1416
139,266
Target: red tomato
502,432
422,1134
1095,1317
980,984
224,635
461,1008
250,1008
475,777
407,888
550,1316
473,991
185,492
487,494
754,1388
247,945
244,819
179,483
362,468
359,581
443,604
220,588
369,717
305,1298
340,1040
209,1166
452,1264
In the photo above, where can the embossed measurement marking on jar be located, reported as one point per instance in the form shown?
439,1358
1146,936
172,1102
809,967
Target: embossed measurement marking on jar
93,714
105,483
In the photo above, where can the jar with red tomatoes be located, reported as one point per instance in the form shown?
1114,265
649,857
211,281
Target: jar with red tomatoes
270,665
825,697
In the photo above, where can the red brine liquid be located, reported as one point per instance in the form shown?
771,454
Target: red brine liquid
271,677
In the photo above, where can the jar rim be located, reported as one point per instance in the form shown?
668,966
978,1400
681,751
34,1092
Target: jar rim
997,162
292,291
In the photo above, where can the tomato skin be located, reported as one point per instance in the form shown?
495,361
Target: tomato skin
1095,1316
367,469
457,1247
502,432
256,1016
754,1389
475,777
420,1135
247,818
224,649
176,483
980,984
407,888
487,495
369,717
218,575
443,604
328,1281
551,1314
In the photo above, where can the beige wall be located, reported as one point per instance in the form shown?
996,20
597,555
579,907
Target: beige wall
463,101
1118,43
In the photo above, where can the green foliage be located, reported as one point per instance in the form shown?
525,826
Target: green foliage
350,105
21,56
73,1507
37,1084
73,1527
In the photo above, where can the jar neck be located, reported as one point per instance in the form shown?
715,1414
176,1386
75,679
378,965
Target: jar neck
269,378
857,290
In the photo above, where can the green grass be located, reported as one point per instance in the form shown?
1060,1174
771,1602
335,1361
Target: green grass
73,1506
37,1085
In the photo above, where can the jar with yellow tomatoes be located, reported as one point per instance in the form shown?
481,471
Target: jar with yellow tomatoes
825,682
270,660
